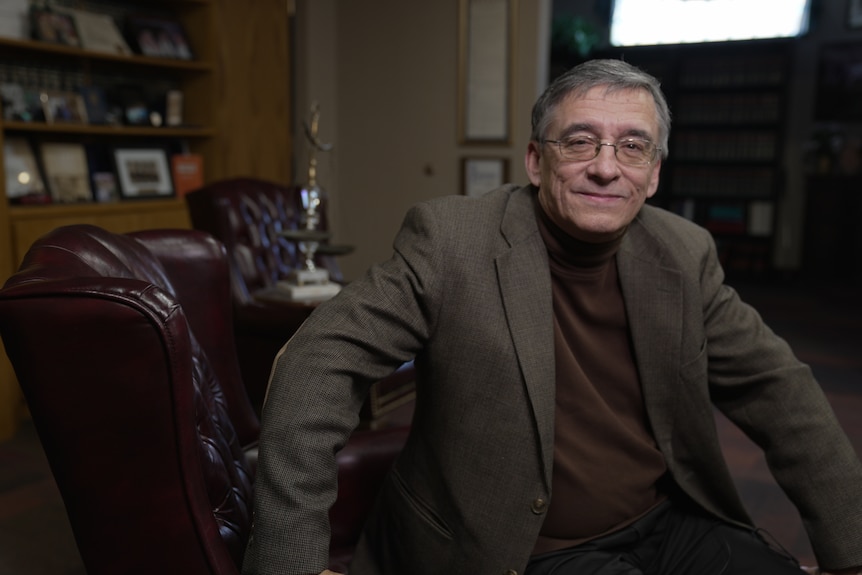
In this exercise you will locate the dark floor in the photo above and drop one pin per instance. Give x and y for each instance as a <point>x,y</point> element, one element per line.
<point>824,325</point>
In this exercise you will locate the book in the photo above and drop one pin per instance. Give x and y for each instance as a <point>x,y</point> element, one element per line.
<point>188,172</point>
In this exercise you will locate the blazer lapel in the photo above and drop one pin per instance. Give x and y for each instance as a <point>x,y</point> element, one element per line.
<point>525,285</point>
<point>652,296</point>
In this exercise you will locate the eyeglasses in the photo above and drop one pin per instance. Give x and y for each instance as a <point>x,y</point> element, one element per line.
<point>629,151</point>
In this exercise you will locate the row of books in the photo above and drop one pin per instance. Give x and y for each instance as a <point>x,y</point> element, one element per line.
<point>66,172</point>
<point>710,181</point>
<point>723,109</point>
<point>744,145</point>
<point>729,218</point>
<point>730,71</point>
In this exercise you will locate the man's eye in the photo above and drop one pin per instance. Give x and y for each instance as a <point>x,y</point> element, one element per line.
<point>634,145</point>
<point>579,143</point>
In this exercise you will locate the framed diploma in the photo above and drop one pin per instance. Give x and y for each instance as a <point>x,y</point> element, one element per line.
<point>485,77</point>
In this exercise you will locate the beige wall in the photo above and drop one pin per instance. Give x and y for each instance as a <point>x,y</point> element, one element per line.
<point>385,73</point>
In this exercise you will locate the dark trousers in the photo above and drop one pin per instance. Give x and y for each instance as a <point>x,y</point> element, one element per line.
<point>671,541</point>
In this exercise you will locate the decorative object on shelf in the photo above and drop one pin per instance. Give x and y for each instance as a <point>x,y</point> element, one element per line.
<point>63,107</point>
<point>174,108</point>
<point>105,187</point>
<point>96,105</point>
<point>66,171</point>
<point>143,172</point>
<point>159,38</point>
<point>19,103</point>
<point>188,172</point>
<point>99,32</point>
<point>48,25</point>
<point>480,175</point>
<point>310,282</point>
<point>24,183</point>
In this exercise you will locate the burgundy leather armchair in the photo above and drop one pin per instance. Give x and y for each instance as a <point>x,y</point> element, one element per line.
<point>123,346</point>
<point>247,215</point>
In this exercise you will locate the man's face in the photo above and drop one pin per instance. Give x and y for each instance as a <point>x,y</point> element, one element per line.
<point>595,200</point>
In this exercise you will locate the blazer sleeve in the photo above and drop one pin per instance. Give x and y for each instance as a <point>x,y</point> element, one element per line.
<point>756,380</point>
<point>319,381</point>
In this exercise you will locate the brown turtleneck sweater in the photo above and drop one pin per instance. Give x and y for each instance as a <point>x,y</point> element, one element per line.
<point>606,463</point>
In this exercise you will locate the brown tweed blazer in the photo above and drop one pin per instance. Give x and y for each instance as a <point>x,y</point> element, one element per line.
<point>468,293</point>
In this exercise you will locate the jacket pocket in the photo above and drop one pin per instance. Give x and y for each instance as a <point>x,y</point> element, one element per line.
<point>420,507</point>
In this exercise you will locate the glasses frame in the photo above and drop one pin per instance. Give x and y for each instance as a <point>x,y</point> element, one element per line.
<point>614,145</point>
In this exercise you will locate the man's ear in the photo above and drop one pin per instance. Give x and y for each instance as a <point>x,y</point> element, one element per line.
<point>533,162</point>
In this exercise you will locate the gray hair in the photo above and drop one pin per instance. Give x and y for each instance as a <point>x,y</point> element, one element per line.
<point>614,75</point>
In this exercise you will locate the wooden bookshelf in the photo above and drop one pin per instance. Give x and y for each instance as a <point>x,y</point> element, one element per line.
<point>235,115</point>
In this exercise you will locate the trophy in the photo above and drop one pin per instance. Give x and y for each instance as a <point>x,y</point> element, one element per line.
<point>310,282</point>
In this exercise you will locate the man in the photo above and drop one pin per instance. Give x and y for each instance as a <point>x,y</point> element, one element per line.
<point>570,343</point>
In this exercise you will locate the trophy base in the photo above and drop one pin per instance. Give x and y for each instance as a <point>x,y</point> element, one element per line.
<point>309,277</point>
<point>308,292</point>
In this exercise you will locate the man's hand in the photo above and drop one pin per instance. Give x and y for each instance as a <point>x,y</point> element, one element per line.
<point>817,571</point>
<point>328,572</point>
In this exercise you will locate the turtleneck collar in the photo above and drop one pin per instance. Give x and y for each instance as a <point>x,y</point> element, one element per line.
<point>568,251</point>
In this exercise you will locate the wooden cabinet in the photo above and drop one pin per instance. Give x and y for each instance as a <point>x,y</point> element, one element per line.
<point>725,169</point>
<point>236,114</point>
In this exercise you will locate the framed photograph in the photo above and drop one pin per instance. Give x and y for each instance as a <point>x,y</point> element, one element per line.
<point>66,170</point>
<point>480,175</point>
<point>143,173</point>
<point>63,107</point>
<point>159,38</point>
<point>485,73</point>
<point>854,14</point>
<point>99,32</point>
<point>24,183</point>
<point>51,26</point>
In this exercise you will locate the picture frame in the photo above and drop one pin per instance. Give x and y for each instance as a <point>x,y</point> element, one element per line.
<point>485,71</point>
<point>62,107</point>
<point>53,26</point>
<point>99,32</point>
<point>24,183</point>
<point>159,38</point>
<point>66,171</point>
<point>854,14</point>
<point>483,174</point>
<point>143,173</point>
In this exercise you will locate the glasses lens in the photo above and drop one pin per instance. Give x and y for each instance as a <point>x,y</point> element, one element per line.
<point>579,148</point>
<point>635,152</point>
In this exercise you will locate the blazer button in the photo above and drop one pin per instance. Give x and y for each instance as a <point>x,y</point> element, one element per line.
<point>510,572</point>
<point>539,506</point>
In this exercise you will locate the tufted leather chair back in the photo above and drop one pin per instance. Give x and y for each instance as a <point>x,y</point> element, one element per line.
<point>247,214</point>
<point>123,348</point>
